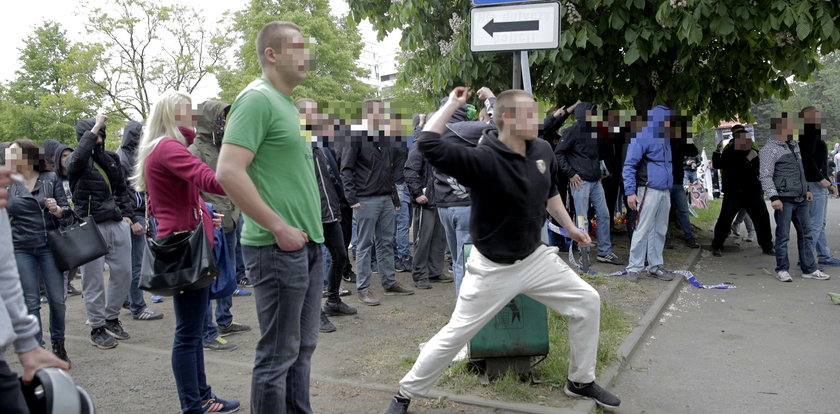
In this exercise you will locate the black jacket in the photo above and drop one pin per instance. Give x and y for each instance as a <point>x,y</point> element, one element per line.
<point>448,191</point>
<point>367,167</point>
<point>740,176</point>
<point>132,133</point>
<point>327,175</point>
<point>577,151</point>
<point>680,149</point>
<point>550,130</point>
<point>420,179</point>
<point>29,218</point>
<point>509,192</point>
<point>92,194</point>
<point>814,154</point>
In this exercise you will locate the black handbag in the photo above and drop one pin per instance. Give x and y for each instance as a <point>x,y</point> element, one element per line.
<point>77,244</point>
<point>178,262</point>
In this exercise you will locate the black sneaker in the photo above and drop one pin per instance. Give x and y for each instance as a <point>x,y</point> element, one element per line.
<point>233,328</point>
<point>59,351</point>
<point>610,258</point>
<point>769,251</point>
<point>244,282</point>
<point>660,274</point>
<point>399,405</point>
<point>717,252</point>
<point>72,291</point>
<point>441,279</point>
<point>423,284</point>
<point>592,391</point>
<point>115,329</point>
<point>349,277</point>
<point>691,243</point>
<point>326,325</point>
<point>100,339</point>
<point>338,309</point>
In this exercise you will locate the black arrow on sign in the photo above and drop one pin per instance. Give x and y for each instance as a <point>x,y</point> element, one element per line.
<point>523,26</point>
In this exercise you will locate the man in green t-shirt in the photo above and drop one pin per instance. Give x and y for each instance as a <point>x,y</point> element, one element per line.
<point>266,168</point>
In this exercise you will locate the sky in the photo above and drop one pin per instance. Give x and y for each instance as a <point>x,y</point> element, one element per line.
<point>21,17</point>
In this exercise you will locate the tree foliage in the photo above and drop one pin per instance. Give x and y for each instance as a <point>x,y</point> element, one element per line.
<point>716,57</point>
<point>146,48</point>
<point>48,94</point>
<point>333,75</point>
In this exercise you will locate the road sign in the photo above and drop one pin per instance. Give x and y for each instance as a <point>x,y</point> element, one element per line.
<point>511,28</point>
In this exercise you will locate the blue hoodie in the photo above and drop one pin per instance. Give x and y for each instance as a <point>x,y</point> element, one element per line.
<point>648,161</point>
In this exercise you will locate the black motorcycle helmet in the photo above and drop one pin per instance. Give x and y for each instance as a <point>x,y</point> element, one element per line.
<point>53,391</point>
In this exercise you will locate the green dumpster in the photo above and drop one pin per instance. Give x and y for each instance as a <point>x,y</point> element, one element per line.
<point>516,334</point>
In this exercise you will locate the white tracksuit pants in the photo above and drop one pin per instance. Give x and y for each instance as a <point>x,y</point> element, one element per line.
<point>488,287</point>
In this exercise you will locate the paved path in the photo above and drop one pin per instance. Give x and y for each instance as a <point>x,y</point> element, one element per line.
<point>765,347</point>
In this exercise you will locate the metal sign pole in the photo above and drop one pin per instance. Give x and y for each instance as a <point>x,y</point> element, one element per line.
<point>517,71</point>
<point>526,71</point>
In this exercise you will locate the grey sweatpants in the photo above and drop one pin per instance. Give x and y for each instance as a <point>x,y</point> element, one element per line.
<point>102,304</point>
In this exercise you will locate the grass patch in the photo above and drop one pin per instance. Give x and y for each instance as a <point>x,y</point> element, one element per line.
<point>552,371</point>
<point>707,217</point>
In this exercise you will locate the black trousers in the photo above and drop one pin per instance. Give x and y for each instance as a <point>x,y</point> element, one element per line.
<point>429,244</point>
<point>334,242</point>
<point>347,232</point>
<point>11,396</point>
<point>756,209</point>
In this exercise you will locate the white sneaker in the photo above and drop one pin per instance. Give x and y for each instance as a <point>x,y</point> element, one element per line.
<point>784,276</point>
<point>817,275</point>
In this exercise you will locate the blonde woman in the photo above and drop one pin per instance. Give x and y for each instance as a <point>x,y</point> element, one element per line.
<point>172,177</point>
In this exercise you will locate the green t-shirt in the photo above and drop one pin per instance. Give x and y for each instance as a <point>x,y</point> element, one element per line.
<point>266,122</point>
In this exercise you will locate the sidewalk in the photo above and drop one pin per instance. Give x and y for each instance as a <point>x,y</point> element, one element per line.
<point>765,346</point>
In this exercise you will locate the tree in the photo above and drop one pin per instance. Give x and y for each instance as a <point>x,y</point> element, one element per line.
<point>146,49</point>
<point>715,57</point>
<point>47,96</point>
<point>333,75</point>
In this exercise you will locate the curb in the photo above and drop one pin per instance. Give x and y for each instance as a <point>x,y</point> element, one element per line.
<point>631,344</point>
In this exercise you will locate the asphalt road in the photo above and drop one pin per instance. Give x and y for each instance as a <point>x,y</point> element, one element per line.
<point>764,347</point>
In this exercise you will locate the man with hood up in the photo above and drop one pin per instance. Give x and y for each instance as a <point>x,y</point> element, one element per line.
<point>210,130</point>
<point>59,155</point>
<point>648,177</point>
<point>132,132</point>
<point>578,157</point>
<point>100,191</point>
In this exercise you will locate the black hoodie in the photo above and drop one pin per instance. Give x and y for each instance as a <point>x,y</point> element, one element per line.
<point>132,133</point>
<point>61,171</point>
<point>814,153</point>
<point>509,192</point>
<point>93,195</point>
<point>448,191</point>
<point>577,152</point>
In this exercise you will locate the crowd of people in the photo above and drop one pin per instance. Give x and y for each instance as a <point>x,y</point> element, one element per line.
<point>297,194</point>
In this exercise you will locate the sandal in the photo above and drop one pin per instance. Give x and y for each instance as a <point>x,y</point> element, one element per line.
<point>219,406</point>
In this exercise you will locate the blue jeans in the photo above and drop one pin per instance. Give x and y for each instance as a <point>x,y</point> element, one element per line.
<point>592,192</point>
<point>32,263</point>
<point>456,226</point>
<point>689,177</point>
<point>135,295</point>
<point>188,349</point>
<point>817,210</point>
<point>679,203</point>
<point>375,220</point>
<point>223,315</point>
<point>287,291</point>
<point>402,248</point>
<point>798,214</point>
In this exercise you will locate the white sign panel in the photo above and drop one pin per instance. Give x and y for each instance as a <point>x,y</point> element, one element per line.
<point>512,28</point>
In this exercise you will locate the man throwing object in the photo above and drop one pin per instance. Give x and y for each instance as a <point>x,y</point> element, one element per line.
<point>511,175</point>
